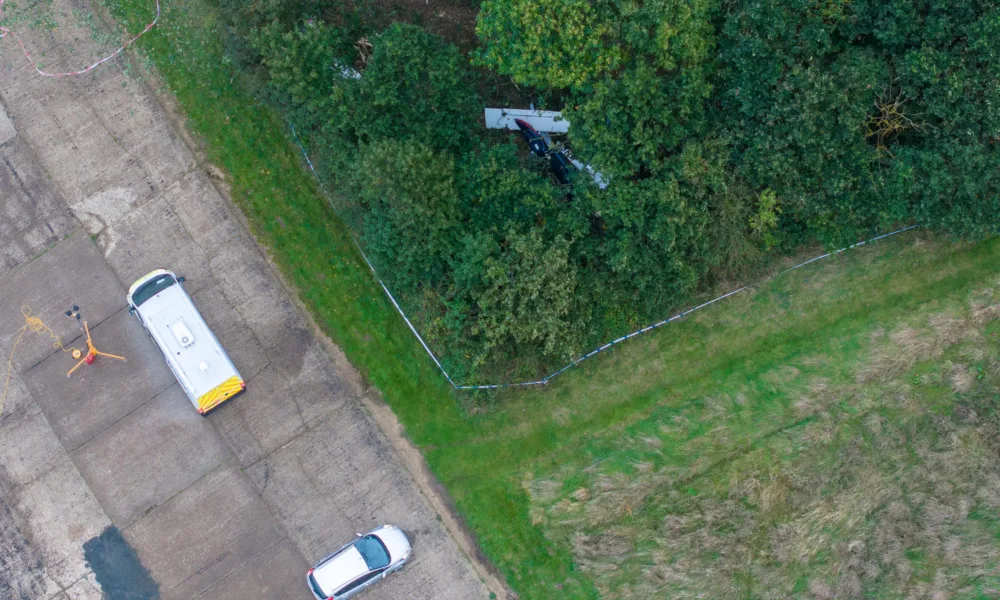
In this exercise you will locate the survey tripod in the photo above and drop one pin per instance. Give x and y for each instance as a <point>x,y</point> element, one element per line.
<point>92,352</point>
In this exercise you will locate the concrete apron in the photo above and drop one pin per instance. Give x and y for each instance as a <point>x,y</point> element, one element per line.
<point>97,188</point>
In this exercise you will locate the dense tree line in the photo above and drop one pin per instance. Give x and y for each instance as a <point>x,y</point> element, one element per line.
<point>728,129</point>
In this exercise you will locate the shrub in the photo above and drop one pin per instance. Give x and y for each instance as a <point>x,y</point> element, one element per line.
<point>305,65</point>
<point>558,44</point>
<point>415,86</point>
<point>801,84</point>
<point>525,295</point>
<point>404,202</point>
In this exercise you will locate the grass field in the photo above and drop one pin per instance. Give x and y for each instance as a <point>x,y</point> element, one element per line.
<point>834,436</point>
<point>830,435</point>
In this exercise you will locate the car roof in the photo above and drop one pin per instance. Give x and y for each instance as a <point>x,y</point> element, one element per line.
<point>340,570</point>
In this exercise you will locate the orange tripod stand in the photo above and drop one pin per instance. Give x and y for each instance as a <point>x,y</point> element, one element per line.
<point>92,352</point>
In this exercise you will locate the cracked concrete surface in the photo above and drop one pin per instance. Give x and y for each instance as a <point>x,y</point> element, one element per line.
<point>7,131</point>
<point>97,188</point>
<point>33,216</point>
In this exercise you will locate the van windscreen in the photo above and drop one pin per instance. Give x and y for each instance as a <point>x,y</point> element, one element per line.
<point>152,287</point>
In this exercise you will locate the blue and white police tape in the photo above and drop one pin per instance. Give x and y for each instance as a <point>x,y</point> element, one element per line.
<point>596,351</point>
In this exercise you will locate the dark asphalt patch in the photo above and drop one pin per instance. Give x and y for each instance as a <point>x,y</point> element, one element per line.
<point>22,574</point>
<point>117,568</point>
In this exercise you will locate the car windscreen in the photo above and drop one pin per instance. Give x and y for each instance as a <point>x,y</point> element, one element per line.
<point>152,287</point>
<point>373,551</point>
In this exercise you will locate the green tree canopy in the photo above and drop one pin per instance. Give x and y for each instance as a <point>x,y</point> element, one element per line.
<point>526,295</point>
<point>404,202</point>
<point>414,86</point>
<point>555,44</point>
<point>727,129</point>
<point>846,109</point>
<point>635,73</point>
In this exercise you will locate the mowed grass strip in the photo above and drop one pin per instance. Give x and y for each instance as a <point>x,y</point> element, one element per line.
<point>588,420</point>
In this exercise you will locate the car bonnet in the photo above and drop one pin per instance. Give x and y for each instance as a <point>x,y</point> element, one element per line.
<point>395,542</point>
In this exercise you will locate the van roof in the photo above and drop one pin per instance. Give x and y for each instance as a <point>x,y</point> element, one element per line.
<point>182,333</point>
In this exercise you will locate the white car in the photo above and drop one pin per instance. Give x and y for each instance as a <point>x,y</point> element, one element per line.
<point>360,564</point>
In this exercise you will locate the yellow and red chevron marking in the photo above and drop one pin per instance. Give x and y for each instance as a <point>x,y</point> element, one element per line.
<point>220,393</point>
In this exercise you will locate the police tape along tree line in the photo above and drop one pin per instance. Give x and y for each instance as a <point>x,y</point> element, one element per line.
<point>730,131</point>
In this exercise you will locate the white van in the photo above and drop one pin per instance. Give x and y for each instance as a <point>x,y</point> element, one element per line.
<point>190,348</point>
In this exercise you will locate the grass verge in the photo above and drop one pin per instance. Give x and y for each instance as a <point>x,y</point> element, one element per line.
<point>516,471</point>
